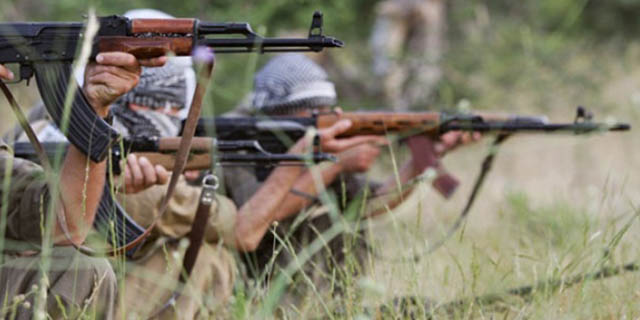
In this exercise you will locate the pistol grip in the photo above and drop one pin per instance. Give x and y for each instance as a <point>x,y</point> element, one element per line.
<point>425,156</point>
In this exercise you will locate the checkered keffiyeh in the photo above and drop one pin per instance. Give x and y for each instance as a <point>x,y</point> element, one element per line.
<point>290,82</point>
<point>160,87</point>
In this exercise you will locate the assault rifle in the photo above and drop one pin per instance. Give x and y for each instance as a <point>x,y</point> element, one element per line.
<point>205,153</point>
<point>271,131</point>
<point>47,49</point>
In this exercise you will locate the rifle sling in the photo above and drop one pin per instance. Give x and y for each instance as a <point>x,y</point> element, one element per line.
<point>195,236</point>
<point>484,171</point>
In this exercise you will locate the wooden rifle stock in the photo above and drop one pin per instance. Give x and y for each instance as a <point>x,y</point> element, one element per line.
<point>200,161</point>
<point>380,123</point>
<point>422,149</point>
<point>430,125</point>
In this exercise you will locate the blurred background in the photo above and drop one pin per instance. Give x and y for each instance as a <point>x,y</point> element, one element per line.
<point>552,205</point>
<point>416,54</point>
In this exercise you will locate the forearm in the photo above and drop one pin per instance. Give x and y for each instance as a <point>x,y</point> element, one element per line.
<point>257,214</point>
<point>81,185</point>
<point>306,183</point>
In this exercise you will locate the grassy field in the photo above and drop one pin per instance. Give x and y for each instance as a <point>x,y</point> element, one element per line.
<point>553,206</point>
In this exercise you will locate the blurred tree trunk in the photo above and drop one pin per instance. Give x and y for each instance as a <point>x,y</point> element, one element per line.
<point>408,42</point>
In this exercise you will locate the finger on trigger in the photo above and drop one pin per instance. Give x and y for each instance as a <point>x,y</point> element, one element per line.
<point>148,171</point>
<point>136,173</point>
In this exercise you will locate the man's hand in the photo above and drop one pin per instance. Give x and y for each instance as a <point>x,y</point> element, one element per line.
<point>453,139</point>
<point>112,75</point>
<point>329,142</point>
<point>359,158</point>
<point>5,73</point>
<point>140,174</point>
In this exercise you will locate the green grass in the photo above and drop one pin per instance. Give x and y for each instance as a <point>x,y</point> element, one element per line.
<point>552,208</point>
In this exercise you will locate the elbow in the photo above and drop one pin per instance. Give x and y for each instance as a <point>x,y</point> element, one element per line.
<point>247,242</point>
<point>75,236</point>
<point>247,239</point>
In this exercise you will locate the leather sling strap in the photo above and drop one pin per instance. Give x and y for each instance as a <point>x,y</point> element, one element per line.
<point>195,236</point>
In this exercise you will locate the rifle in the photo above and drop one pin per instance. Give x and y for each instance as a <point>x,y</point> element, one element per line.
<point>205,154</point>
<point>47,49</point>
<point>271,131</point>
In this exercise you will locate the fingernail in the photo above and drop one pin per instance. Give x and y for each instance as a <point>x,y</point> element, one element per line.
<point>10,75</point>
<point>99,58</point>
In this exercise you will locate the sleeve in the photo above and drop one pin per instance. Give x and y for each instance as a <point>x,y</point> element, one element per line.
<point>176,222</point>
<point>24,197</point>
<point>240,184</point>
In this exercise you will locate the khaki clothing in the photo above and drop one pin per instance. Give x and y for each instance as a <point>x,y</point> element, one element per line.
<point>213,276</point>
<point>155,277</point>
<point>27,195</point>
<point>82,284</point>
<point>176,222</point>
<point>214,273</point>
<point>408,42</point>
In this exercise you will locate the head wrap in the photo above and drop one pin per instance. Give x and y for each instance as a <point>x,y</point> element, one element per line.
<point>160,87</point>
<point>291,82</point>
<point>144,123</point>
<point>178,62</point>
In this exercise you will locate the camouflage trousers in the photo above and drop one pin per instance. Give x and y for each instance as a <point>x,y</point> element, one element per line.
<point>78,286</point>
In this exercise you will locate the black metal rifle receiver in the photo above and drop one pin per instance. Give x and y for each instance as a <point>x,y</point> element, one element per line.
<point>47,49</point>
<point>113,221</point>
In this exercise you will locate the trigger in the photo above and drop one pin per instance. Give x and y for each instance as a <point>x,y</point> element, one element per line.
<point>26,73</point>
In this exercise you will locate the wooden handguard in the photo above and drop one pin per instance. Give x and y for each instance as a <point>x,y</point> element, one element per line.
<point>379,123</point>
<point>145,48</point>
<point>196,161</point>
<point>198,144</point>
<point>169,26</point>
<point>422,147</point>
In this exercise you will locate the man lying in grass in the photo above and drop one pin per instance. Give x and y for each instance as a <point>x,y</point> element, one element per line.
<point>73,284</point>
<point>294,85</point>
<point>154,108</point>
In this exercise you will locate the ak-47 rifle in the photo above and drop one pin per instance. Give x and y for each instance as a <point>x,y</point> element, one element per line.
<point>47,50</point>
<point>206,153</point>
<point>431,124</point>
<point>271,131</point>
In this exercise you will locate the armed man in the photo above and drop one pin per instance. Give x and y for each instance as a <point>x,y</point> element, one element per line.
<point>294,85</point>
<point>74,284</point>
<point>154,109</point>
<point>157,101</point>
